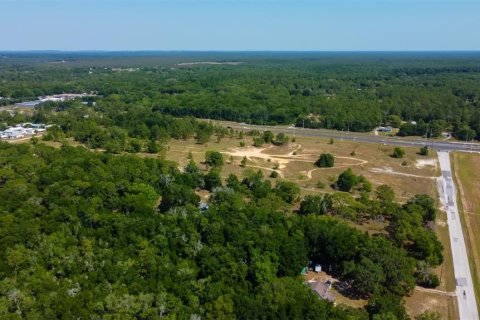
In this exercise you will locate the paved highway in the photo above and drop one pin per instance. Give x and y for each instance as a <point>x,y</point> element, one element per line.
<point>464,285</point>
<point>397,141</point>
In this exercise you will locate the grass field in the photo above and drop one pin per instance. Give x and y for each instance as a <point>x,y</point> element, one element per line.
<point>295,162</point>
<point>432,300</point>
<point>467,177</point>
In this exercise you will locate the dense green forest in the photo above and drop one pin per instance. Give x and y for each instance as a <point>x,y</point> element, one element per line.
<point>344,91</point>
<point>98,232</point>
<point>87,234</point>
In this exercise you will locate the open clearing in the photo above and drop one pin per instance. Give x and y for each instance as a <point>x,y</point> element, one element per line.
<point>467,177</point>
<point>422,300</point>
<point>295,162</point>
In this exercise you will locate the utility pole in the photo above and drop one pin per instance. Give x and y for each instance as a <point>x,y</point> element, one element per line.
<point>426,134</point>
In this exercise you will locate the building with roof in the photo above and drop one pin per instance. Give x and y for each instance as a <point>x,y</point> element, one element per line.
<point>322,289</point>
<point>28,104</point>
<point>384,129</point>
<point>14,133</point>
<point>22,130</point>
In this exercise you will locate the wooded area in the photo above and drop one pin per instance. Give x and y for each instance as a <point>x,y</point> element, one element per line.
<point>123,236</point>
<point>348,91</point>
<point>97,231</point>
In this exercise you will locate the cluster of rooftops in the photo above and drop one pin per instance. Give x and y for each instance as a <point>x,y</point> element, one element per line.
<point>22,130</point>
<point>53,98</point>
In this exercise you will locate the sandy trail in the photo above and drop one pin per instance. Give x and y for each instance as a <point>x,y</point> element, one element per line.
<point>253,153</point>
<point>422,163</point>
<point>435,291</point>
<point>280,173</point>
<point>389,170</point>
<point>360,162</point>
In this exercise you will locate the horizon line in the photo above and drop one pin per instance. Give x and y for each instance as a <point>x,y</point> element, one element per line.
<point>226,50</point>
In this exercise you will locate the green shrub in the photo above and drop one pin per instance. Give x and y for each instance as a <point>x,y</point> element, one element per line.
<point>423,151</point>
<point>274,174</point>
<point>326,160</point>
<point>398,153</point>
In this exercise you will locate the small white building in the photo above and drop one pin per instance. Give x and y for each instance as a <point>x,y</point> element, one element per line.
<point>22,130</point>
<point>14,133</point>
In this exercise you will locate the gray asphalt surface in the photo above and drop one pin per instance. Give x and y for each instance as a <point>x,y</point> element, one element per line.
<point>351,136</point>
<point>464,285</point>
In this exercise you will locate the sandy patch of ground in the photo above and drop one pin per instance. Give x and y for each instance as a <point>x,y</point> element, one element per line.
<point>281,161</point>
<point>423,300</point>
<point>389,170</point>
<point>435,291</point>
<point>252,153</point>
<point>422,163</point>
<point>441,223</point>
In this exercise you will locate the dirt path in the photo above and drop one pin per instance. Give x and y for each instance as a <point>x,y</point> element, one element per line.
<point>435,291</point>
<point>252,153</point>
<point>309,173</point>
<point>389,170</point>
<point>360,162</point>
<point>280,173</point>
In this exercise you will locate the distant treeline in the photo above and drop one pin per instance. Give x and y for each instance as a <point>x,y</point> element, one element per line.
<point>338,91</point>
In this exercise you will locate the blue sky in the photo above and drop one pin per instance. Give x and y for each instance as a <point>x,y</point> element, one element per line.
<point>240,25</point>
